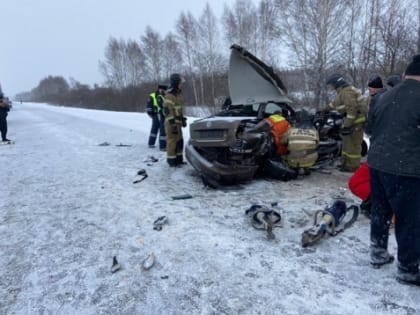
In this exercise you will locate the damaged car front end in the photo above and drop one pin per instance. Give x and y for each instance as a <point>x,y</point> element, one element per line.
<point>232,146</point>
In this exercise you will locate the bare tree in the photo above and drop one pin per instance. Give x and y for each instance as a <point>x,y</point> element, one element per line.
<point>208,55</point>
<point>186,27</point>
<point>352,20</point>
<point>152,49</point>
<point>135,65</point>
<point>396,40</point>
<point>51,86</point>
<point>113,66</point>
<point>171,56</point>
<point>267,31</point>
<point>240,24</point>
<point>312,30</point>
<point>123,65</point>
<point>380,38</point>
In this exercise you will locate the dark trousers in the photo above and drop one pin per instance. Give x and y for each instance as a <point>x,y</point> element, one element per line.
<point>158,128</point>
<point>3,125</point>
<point>400,195</point>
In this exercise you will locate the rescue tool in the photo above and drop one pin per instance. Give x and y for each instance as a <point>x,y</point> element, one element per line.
<point>330,221</point>
<point>264,218</point>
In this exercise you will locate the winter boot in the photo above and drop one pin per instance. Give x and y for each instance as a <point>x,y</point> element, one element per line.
<point>172,162</point>
<point>179,160</point>
<point>380,257</point>
<point>408,274</point>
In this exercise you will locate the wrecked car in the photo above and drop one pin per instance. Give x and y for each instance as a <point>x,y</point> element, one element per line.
<point>233,146</point>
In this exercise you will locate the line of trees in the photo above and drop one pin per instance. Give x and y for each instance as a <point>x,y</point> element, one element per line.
<point>316,37</point>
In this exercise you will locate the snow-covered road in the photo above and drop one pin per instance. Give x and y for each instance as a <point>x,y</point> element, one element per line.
<point>68,206</point>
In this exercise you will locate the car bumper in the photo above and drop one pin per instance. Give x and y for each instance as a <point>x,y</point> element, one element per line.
<point>222,173</point>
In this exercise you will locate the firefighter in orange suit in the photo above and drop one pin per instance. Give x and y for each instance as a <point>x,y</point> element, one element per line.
<point>279,127</point>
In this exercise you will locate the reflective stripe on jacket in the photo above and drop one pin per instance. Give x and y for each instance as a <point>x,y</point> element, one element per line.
<point>155,101</point>
<point>350,103</point>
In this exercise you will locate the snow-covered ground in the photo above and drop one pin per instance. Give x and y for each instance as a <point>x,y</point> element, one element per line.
<point>68,206</point>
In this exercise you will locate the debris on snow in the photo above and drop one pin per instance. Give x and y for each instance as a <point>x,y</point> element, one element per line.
<point>115,265</point>
<point>149,261</point>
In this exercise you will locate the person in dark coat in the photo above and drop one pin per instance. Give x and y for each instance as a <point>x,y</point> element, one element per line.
<point>154,110</point>
<point>376,89</point>
<point>394,166</point>
<point>4,109</point>
<point>393,80</point>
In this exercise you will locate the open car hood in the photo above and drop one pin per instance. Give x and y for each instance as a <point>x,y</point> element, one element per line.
<point>252,81</point>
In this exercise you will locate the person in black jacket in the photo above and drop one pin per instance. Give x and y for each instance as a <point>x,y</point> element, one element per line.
<point>154,110</point>
<point>4,109</point>
<point>376,89</point>
<point>393,80</point>
<point>394,165</point>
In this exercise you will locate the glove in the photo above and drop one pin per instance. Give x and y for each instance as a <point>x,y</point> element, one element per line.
<point>345,131</point>
<point>184,122</point>
<point>174,129</point>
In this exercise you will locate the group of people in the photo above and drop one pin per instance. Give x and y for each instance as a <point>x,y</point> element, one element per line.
<point>389,182</point>
<point>165,108</point>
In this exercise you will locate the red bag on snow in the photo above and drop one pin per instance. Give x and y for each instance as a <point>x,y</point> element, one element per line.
<point>359,182</point>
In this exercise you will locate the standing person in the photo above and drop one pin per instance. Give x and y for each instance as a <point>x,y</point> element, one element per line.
<point>154,110</point>
<point>350,103</point>
<point>376,89</point>
<point>394,165</point>
<point>4,109</point>
<point>174,121</point>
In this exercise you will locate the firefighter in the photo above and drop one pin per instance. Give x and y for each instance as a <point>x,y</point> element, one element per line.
<point>279,127</point>
<point>302,143</point>
<point>154,110</point>
<point>350,103</point>
<point>174,121</point>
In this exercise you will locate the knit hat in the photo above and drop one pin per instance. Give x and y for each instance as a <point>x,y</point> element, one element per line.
<point>375,82</point>
<point>414,67</point>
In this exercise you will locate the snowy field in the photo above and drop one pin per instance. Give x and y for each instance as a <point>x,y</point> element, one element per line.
<point>68,206</point>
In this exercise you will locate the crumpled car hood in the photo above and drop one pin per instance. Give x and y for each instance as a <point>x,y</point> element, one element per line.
<point>252,81</point>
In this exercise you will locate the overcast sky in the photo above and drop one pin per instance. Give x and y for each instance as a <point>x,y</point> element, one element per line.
<point>68,37</point>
